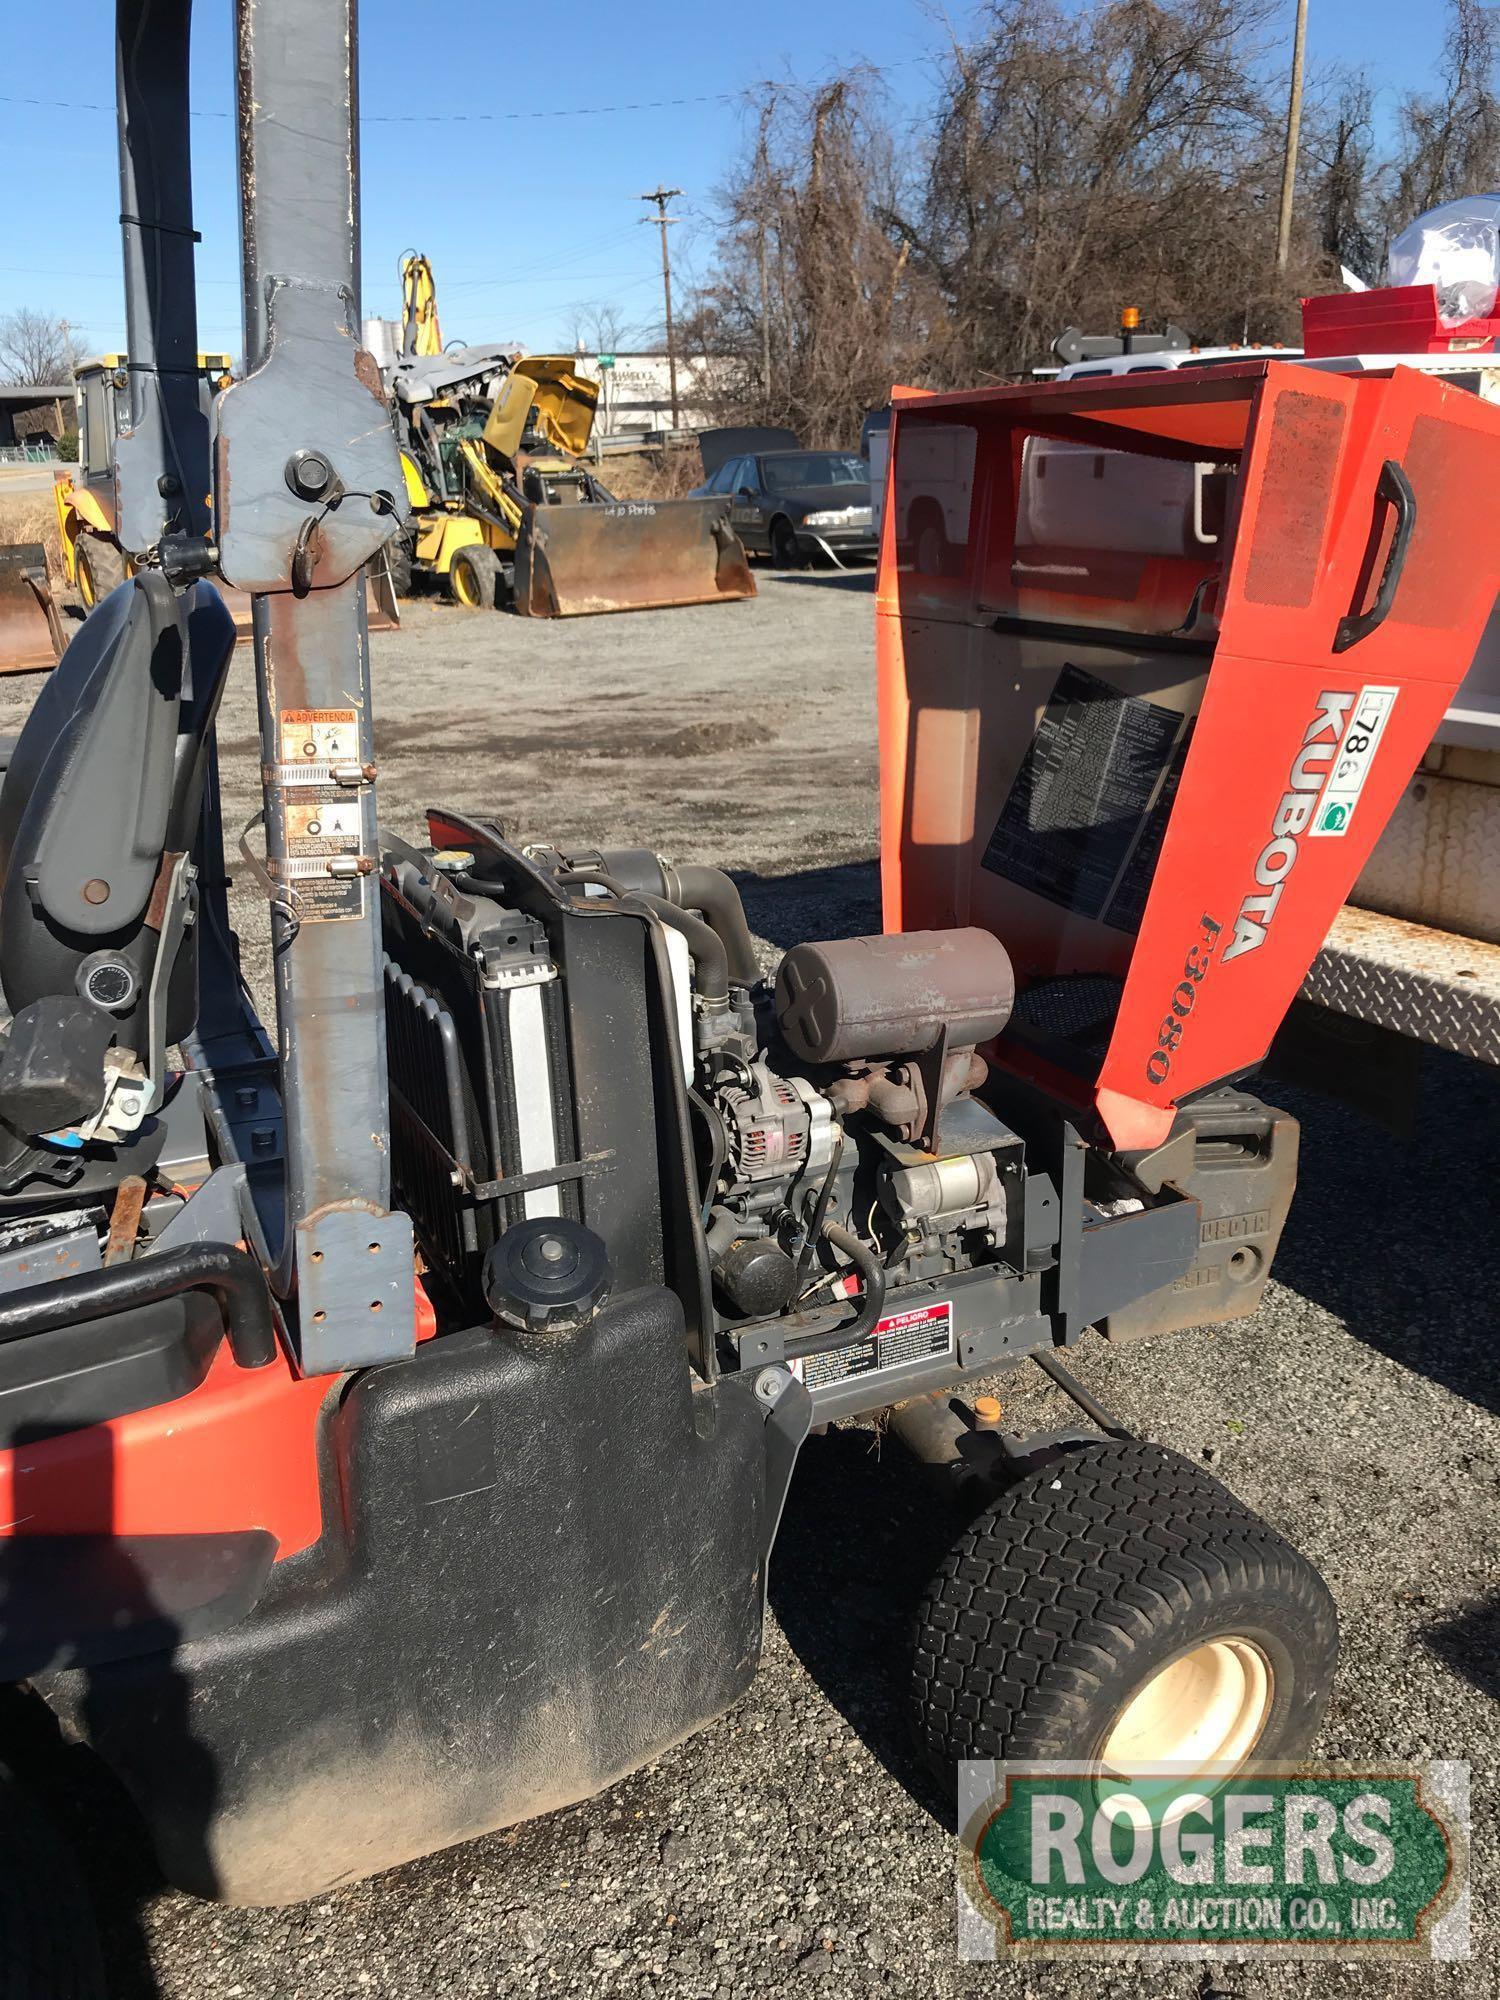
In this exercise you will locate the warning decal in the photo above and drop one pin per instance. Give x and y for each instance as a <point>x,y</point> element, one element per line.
<point>322,820</point>
<point>923,1334</point>
<point>1081,799</point>
<point>314,741</point>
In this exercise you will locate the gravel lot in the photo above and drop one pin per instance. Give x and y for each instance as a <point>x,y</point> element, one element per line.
<point>793,1841</point>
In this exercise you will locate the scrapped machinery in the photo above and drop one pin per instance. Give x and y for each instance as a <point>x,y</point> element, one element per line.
<point>94,559</point>
<point>332,1563</point>
<point>505,511</point>
<point>31,633</point>
<point>95,556</point>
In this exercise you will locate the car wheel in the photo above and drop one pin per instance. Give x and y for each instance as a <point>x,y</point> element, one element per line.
<point>785,553</point>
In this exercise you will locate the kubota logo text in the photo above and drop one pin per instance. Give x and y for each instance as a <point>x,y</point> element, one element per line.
<point>1308,775</point>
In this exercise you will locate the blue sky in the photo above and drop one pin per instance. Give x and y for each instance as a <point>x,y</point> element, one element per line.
<point>509,267</point>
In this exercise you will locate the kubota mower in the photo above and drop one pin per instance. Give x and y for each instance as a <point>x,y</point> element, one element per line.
<point>332,1563</point>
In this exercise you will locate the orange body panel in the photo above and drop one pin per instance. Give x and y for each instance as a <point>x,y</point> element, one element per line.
<point>1121,706</point>
<point>239,1451</point>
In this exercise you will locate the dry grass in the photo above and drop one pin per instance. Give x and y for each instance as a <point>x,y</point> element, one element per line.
<point>32,517</point>
<point>665,474</point>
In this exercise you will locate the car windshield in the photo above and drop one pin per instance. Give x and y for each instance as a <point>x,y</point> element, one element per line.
<point>791,471</point>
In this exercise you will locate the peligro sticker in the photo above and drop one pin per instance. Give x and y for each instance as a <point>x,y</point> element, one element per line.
<point>901,1340</point>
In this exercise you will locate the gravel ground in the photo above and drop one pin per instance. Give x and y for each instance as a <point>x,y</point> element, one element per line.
<point>794,1841</point>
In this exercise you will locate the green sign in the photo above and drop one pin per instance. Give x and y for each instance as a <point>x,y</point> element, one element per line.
<point>606,361</point>
<point>1335,1861</point>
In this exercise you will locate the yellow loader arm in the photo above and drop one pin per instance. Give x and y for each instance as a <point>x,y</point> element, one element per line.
<point>420,331</point>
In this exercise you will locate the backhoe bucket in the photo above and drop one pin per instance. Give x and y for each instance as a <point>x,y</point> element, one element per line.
<point>627,555</point>
<point>30,631</point>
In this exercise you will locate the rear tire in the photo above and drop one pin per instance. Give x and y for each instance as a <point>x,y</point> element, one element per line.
<point>98,567</point>
<point>473,576</point>
<point>400,553</point>
<point>1120,1606</point>
<point>49,1944</point>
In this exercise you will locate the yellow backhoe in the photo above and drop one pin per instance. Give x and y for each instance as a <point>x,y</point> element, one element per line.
<point>505,511</point>
<point>94,560</point>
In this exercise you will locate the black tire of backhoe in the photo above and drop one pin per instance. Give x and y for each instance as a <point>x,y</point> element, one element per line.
<point>49,1942</point>
<point>1070,1591</point>
<point>106,566</point>
<point>400,553</point>
<point>484,566</point>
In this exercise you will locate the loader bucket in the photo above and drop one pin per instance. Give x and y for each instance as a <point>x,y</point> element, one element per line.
<point>627,555</point>
<point>30,630</point>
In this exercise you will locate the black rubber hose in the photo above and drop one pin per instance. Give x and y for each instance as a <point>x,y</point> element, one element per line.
<point>705,946</point>
<point>711,891</point>
<point>231,1276</point>
<point>820,1211</point>
<point>866,1319</point>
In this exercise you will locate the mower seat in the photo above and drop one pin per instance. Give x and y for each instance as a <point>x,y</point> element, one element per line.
<point>101,796</point>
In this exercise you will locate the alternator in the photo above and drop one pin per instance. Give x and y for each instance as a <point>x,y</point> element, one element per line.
<point>777,1128</point>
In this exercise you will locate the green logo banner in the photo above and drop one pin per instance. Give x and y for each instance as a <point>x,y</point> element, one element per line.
<point>1057,1860</point>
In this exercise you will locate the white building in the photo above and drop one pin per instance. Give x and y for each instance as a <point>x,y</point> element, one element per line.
<point>636,394</point>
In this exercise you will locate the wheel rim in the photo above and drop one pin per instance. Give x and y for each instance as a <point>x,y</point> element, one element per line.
<point>463,586</point>
<point>85,576</point>
<point>1209,1706</point>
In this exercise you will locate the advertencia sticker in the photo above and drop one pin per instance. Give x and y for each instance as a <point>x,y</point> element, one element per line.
<point>1329,1861</point>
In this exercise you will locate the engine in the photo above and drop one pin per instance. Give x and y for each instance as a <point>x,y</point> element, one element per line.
<point>870,1061</point>
<point>838,1147</point>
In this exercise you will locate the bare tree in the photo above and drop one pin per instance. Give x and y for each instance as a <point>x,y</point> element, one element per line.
<point>35,348</point>
<point>1080,156</point>
<point>811,308</point>
<point>1450,141</point>
<point>1084,159</point>
<point>1344,184</point>
<point>597,327</point>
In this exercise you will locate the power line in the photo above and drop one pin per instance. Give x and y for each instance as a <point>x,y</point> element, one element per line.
<point>510,117</point>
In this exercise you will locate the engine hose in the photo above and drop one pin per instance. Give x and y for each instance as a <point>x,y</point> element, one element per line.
<point>705,946</point>
<point>711,891</point>
<point>230,1275</point>
<point>872,1305</point>
<point>820,1210</point>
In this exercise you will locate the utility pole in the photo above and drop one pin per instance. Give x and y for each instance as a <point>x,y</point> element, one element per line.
<point>1293,134</point>
<point>661,196</point>
<point>765,326</point>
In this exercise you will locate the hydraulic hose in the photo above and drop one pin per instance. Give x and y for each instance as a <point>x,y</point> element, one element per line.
<point>872,1305</point>
<point>231,1276</point>
<point>711,891</point>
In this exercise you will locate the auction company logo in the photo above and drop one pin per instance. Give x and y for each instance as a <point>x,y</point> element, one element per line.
<point>1330,1861</point>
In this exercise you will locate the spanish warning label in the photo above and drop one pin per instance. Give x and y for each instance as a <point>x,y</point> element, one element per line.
<point>314,742</point>
<point>923,1334</point>
<point>321,819</point>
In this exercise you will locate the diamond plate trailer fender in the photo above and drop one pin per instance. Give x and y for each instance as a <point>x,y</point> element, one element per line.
<point>1163,762</point>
